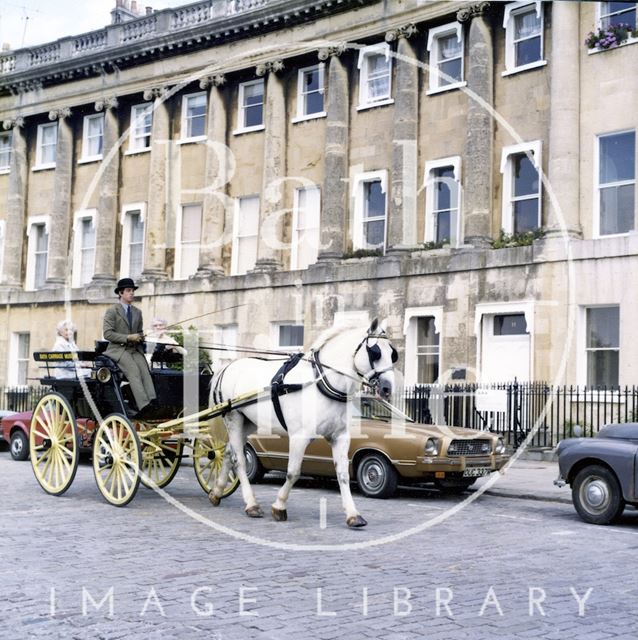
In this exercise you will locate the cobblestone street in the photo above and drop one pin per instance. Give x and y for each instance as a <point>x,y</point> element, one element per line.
<point>76,567</point>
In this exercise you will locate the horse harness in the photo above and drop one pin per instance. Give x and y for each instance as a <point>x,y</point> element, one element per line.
<point>278,386</point>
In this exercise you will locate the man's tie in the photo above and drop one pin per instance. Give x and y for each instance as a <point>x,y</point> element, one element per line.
<point>129,317</point>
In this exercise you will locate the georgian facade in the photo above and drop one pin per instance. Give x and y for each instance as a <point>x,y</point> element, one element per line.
<point>294,164</point>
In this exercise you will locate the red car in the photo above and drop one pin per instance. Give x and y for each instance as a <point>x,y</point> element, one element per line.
<point>15,430</point>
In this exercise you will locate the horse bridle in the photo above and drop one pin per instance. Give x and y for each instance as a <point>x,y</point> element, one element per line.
<point>374,354</point>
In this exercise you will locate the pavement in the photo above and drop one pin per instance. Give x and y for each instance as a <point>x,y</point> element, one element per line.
<point>527,479</point>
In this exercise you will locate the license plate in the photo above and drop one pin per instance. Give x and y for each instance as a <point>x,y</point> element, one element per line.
<point>476,472</point>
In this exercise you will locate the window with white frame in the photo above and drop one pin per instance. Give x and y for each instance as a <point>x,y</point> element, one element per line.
<point>520,166</point>
<point>370,208</point>
<point>442,202</point>
<point>422,328</point>
<point>602,345</point>
<point>37,252</point>
<point>194,116</point>
<point>310,92</point>
<point>616,183</point>
<point>189,235</point>
<point>141,126</point>
<point>5,151</point>
<point>288,336</point>
<point>46,145</point>
<point>245,230</point>
<point>132,256</point>
<point>612,13</point>
<point>83,247</point>
<point>445,45</point>
<point>93,137</point>
<point>375,75</point>
<point>19,367</point>
<point>251,105</point>
<point>2,243</point>
<point>226,336</point>
<point>305,227</point>
<point>523,24</point>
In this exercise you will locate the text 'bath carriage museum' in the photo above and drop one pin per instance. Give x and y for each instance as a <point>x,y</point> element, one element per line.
<point>465,169</point>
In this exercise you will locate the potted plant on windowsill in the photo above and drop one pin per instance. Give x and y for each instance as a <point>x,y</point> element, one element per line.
<point>610,37</point>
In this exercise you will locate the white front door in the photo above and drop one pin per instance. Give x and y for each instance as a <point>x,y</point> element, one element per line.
<point>505,350</point>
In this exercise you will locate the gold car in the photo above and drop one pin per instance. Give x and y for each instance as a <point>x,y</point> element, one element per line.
<point>387,449</point>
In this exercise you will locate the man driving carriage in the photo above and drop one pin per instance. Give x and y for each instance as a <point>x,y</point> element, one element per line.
<point>123,329</point>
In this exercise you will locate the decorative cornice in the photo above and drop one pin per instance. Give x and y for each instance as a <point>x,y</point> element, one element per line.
<point>218,80</point>
<point>12,123</point>
<point>59,114</point>
<point>328,52</point>
<point>473,11</point>
<point>406,31</point>
<point>274,66</point>
<point>155,92</point>
<point>105,104</point>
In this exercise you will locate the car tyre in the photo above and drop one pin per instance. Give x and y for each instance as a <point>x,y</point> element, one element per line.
<point>376,477</point>
<point>254,469</point>
<point>596,495</point>
<point>453,487</point>
<point>19,445</point>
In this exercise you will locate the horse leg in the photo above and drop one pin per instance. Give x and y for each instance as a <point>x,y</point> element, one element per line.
<point>340,447</point>
<point>297,447</point>
<point>236,439</point>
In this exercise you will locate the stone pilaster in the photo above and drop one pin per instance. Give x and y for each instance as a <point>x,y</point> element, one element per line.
<point>58,258</point>
<point>477,166</point>
<point>155,221</point>
<point>335,185</point>
<point>270,234</point>
<point>563,169</point>
<point>11,275</point>
<point>402,214</point>
<point>217,174</point>
<point>108,205</point>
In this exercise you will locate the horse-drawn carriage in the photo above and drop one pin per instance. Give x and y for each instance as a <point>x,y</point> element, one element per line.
<point>88,408</point>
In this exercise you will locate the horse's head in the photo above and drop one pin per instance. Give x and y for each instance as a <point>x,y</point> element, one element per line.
<point>375,358</point>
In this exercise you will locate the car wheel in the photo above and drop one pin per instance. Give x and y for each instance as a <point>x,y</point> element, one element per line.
<point>596,495</point>
<point>19,446</point>
<point>254,469</point>
<point>376,477</point>
<point>453,487</point>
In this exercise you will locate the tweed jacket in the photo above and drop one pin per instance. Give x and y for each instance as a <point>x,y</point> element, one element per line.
<point>116,331</point>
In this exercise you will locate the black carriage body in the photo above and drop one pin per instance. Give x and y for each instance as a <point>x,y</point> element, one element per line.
<point>100,391</point>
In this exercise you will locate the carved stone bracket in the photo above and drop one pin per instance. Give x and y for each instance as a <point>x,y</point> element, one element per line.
<point>155,92</point>
<point>105,104</point>
<point>406,31</point>
<point>13,122</point>
<point>274,66</point>
<point>218,80</point>
<point>336,50</point>
<point>479,9</point>
<point>60,114</point>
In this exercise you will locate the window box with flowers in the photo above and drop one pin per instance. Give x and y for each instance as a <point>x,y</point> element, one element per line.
<point>611,37</point>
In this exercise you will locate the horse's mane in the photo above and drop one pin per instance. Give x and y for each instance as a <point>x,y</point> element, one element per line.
<point>328,334</point>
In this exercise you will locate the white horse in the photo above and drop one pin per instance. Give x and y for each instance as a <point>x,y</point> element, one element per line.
<point>313,404</point>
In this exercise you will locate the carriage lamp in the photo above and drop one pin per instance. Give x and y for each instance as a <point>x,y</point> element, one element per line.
<point>431,447</point>
<point>500,446</point>
<point>103,374</point>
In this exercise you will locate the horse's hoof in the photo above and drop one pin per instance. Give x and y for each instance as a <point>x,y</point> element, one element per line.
<point>214,499</point>
<point>280,515</point>
<point>356,521</point>
<point>254,512</point>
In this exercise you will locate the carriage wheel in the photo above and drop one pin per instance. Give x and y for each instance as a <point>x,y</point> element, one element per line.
<point>160,466</point>
<point>53,444</point>
<point>117,459</point>
<point>208,455</point>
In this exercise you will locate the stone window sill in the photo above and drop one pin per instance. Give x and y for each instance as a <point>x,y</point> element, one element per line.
<point>133,152</point>
<point>447,87</point>
<point>310,116</point>
<point>43,167</point>
<point>525,67</point>
<point>193,140</point>
<point>242,130</point>
<point>5,171</point>
<point>90,159</point>
<point>372,105</point>
<point>622,44</point>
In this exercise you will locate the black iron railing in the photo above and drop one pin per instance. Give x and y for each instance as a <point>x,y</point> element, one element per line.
<point>22,398</point>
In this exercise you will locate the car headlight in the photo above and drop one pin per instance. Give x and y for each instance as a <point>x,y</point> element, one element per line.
<point>431,447</point>
<point>500,446</point>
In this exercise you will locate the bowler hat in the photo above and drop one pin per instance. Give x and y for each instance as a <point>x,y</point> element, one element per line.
<point>125,283</point>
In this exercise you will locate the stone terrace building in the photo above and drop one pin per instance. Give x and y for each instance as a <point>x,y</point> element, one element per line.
<point>320,161</point>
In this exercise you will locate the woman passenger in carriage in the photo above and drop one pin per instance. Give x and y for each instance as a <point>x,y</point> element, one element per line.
<point>64,341</point>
